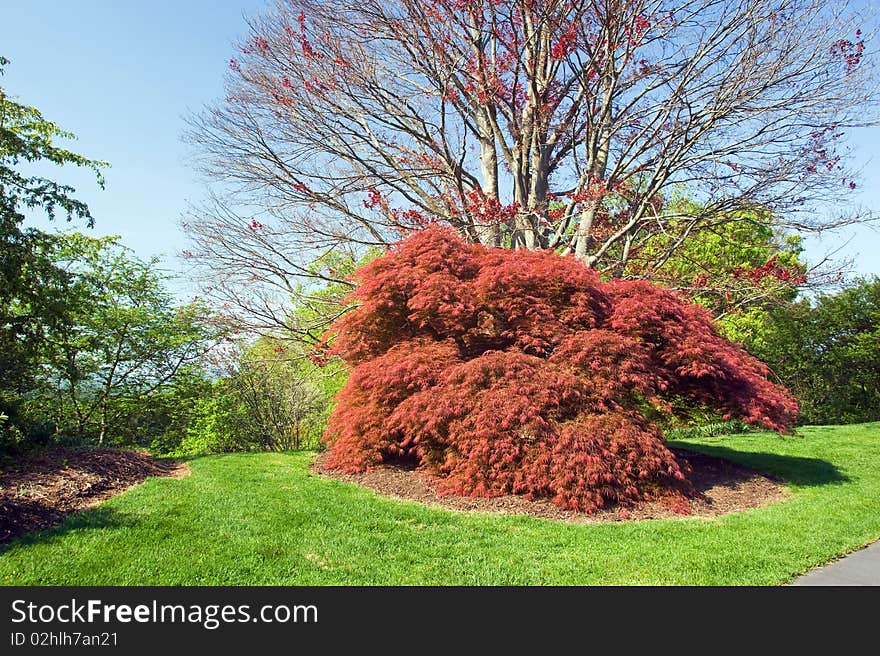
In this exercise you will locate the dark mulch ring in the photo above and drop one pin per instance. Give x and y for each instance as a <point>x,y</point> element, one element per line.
<point>721,487</point>
<point>37,490</point>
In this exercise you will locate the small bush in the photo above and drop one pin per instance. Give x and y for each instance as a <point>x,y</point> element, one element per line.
<point>510,372</point>
<point>717,429</point>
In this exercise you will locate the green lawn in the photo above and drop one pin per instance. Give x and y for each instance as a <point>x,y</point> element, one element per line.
<point>264,519</point>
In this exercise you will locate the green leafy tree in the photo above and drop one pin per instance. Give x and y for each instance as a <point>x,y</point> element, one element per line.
<point>120,339</point>
<point>272,396</point>
<point>26,307</point>
<point>280,399</point>
<point>160,421</point>
<point>827,352</point>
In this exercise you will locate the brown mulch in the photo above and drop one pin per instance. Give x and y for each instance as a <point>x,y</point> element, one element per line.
<point>38,490</point>
<point>721,487</point>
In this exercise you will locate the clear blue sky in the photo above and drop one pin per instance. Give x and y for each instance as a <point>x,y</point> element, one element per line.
<point>123,74</point>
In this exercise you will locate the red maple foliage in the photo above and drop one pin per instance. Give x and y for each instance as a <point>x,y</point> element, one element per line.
<point>511,372</point>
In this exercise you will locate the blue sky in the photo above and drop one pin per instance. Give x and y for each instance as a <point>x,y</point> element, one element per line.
<point>122,75</point>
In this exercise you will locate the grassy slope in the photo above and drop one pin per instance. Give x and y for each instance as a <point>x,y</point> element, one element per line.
<point>264,519</point>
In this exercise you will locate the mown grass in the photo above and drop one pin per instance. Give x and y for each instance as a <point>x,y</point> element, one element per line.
<point>264,519</point>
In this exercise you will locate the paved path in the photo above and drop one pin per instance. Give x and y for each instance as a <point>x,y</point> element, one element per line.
<point>858,568</point>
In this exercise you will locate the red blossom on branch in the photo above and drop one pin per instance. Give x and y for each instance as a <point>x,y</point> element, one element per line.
<point>566,44</point>
<point>487,210</point>
<point>772,270</point>
<point>850,52</point>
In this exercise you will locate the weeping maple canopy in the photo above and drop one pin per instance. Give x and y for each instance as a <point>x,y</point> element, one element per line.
<point>510,372</point>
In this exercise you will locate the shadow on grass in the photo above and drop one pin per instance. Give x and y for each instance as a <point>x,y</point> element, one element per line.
<point>791,469</point>
<point>93,518</point>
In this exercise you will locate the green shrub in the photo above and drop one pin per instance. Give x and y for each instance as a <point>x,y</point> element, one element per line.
<point>827,352</point>
<point>716,429</point>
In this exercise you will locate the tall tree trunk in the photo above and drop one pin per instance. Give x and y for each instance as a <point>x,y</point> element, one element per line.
<point>597,176</point>
<point>585,226</point>
<point>488,234</point>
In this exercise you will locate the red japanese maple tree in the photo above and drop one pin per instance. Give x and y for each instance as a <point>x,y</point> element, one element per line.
<point>503,372</point>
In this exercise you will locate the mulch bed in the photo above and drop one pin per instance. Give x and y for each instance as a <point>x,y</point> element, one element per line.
<point>721,486</point>
<point>38,490</point>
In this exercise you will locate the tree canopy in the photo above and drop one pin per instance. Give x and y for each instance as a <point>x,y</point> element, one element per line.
<point>120,336</point>
<point>558,125</point>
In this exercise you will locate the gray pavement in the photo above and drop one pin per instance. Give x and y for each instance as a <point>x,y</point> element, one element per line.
<point>858,568</point>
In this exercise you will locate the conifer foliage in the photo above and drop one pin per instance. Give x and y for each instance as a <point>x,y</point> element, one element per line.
<point>510,372</point>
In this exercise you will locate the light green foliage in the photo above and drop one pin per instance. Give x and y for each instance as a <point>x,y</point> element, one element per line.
<point>268,402</point>
<point>321,305</point>
<point>212,426</point>
<point>317,304</point>
<point>119,338</point>
<point>265,519</point>
<point>329,379</point>
<point>272,397</point>
<point>161,420</point>
<point>711,266</point>
<point>747,326</point>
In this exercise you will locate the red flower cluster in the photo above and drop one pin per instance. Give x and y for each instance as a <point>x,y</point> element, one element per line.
<point>773,271</point>
<point>850,52</point>
<point>637,29</point>
<point>505,372</point>
<point>566,44</point>
<point>486,210</point>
